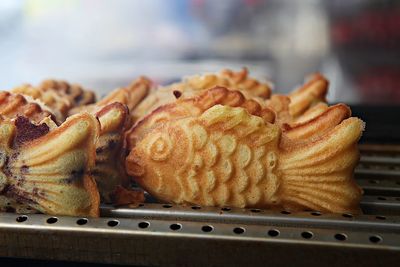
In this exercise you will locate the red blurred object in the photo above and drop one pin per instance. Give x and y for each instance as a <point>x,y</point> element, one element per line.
<point>380,85</point>
<point>371,28</point>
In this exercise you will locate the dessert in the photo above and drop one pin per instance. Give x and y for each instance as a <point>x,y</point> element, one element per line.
<point>13,105</point>
<point>59,96</point>
<point>130,96</point>
<point>109,170</point>
<point>194,106</point>
<point>225,156</point>
<point>194,85</point>
<point>47,168</point>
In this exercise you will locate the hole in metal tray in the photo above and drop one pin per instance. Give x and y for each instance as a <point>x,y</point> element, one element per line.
<point>112,223</point>
<point>375,239</point>
<point>143,225</point>
<point>21,218</point>
<point>307,235</point>
<point>341,237</point>
<point>207,228</point>
<point>52,220</point>
<point>82,221</point>
<point>238,230</point>
<point>273,233</point>
<point>175,226</point>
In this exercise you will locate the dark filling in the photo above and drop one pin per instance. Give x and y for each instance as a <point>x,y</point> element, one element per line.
<point>78,98</point>
<point>27,131</point>
<point>177,94</point>
<point>112,144</point>
<point>99,150</point>
<point>24,169</point>
<point>76,176</point>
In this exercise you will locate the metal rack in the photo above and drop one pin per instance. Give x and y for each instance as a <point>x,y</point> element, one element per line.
<point>168,235</point>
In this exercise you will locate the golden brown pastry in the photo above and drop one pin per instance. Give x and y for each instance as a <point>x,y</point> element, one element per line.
<point>226,157</point>
<point>194,85</point>
<point>227,78</point>
<point>109,170</point>
<point>13,105</point>
<point>195,106</point>
<point>46,169</point>
<point>311,93</point>
<point>129,96</point>
<point>59,104</point>
<point>76,93</point>
<point>60,96</point>
<point>303,104</point>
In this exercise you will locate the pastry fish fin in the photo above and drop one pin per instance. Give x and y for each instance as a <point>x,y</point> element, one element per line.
<point>319,125</point>
<point>312,92</point>
<point>109,170</point>
<point>319,174</point>
<point>52,172</point>
<point>240,122</point>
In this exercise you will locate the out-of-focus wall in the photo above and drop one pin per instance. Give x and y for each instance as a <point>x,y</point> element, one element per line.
<point>103,44</point>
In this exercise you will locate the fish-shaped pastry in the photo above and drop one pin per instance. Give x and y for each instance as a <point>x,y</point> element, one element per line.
<point>109,171</point>
<point>60,96</point>
<point>13,105</point>
<point>47,168</point>
<point>292,108</point>
<point>228,157</point>
<point>194,85</point>
<point>78,95</point>
<point>130,96</point>
<point>59,104</point>
<point>195,106</point>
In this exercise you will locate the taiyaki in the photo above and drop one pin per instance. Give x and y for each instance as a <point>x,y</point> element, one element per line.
<point>109,170</point>
<point>60,96</point>
<point>228,157</point>
<point>194,85</point>
<point>194,106</point>
<point>130,96</point>
<point>47,168</point>
<point>59,104</point>
<point>13,105</point>
<point>302,104</point>
<point>78,95</point>
<point>313,92</point>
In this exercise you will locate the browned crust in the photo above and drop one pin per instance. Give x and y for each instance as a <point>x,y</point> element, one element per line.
<point>123,196</point>
<point>312,92</point>
<point>243,79</point>
<point>110,164</point>
<point>110,107</point>
<point>296,134</point>
<point>197,84</point>
<point>90,186</point>
<point>76,92</point>
<point>14,105</point>
<point>130,95</point>
<point>194,106</point>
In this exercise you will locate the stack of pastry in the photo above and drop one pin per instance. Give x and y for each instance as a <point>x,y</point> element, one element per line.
<point>214,140</point>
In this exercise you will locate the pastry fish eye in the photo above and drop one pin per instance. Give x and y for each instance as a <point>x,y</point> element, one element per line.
<point>159,147</point>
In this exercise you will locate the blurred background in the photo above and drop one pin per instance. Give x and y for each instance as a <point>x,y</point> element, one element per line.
<point>104,44</point>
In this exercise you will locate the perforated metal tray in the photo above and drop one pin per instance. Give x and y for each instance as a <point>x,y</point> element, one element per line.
<point>168,235</point>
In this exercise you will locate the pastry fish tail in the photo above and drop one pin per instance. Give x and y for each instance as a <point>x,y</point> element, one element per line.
<point>318,174</point>
<point>52,173</point>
